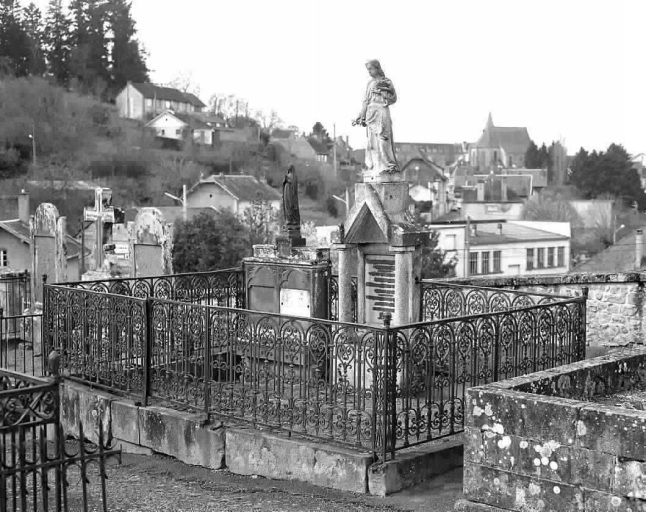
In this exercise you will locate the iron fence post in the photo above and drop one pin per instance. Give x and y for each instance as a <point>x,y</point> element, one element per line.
<point>147,349</point>
<point>207,362</point>
<point>4,359</point>
<point>584,323</point>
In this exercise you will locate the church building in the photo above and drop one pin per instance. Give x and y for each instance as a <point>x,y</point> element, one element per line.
<point>500,147</point>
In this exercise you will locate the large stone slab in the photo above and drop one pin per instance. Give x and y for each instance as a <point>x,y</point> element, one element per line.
<point>89,407</point>
<point>414,466</point>
<point>254,452</point>
<point>181,435</point>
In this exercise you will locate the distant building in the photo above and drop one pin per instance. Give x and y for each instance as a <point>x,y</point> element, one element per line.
<point>506,248</point>
<point>500,146</point>
<point>181,126</point>
<point>427,186</point>
<point>232,192</point>
<point>499,184</point>
<point>145,101</point>
<point>440,154</point>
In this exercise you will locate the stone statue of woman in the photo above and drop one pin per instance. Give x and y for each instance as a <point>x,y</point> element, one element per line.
<point>290,201</point>
<point>375,116</point>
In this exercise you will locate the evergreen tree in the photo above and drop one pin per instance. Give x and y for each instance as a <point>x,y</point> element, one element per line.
<point>33,27</point>
<point>537,158</point>
<point>127,59</point>
<point>15,51</point>
<point>57,42</point>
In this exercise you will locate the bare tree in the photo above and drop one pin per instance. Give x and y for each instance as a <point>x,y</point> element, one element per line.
<point>268,120</point>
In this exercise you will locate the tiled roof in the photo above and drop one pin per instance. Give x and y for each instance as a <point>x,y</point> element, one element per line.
<point>511,233</point>
<point>167,94</point>
<point>619,257</point>
<point>511,139</point>
<point>435,169</point>
<point>242,187</point>
<point>190,120</point>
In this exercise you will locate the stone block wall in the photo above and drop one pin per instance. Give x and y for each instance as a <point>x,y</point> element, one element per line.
<point>616,302</point>
<point>541,442</point>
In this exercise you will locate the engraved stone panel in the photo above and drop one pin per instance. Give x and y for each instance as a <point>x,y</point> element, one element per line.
<point>295,302</point>
<point>148,260</point>
<point>380,287</point>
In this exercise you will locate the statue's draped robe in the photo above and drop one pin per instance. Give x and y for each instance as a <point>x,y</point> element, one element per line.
<point>380,149</point>
<point>290,202</point>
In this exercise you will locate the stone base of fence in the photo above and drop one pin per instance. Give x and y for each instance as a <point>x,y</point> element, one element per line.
<point>247,451</point>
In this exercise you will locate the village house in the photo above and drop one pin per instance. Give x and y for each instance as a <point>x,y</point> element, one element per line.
<point>180,126</point>
<point>235,193</point>
<point>506,248</point>
<point>144,101</point>
<point>15,239</point>
<point>440,154</point>
<point>500,146</point>
<point>427,187</point>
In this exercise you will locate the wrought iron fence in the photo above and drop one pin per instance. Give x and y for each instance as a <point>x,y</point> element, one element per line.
<point>15,292</point>
<point>379,389</point>
<point>35,462</point>
<point>214,288</point>
<point>440,299</point>
<point>333,297</point>
<point>21,343</point>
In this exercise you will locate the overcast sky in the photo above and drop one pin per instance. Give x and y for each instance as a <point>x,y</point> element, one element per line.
<point>572,69</point>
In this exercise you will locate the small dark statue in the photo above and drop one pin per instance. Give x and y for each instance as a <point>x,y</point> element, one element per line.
<point>290,201</point>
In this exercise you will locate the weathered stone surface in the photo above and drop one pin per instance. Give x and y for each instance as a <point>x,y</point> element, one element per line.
<point>510,491</point>
<point>470,506</point>
<point>612,430</point>
<point>503,411</point>
<point>603,502</point>
<point>630,479</point>
<point>412,467</point>
<point>253,452</point>
<point>181,435</point>
<point>125,421</point>
<point>89,407</point>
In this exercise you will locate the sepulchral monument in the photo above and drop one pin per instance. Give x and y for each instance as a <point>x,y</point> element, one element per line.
<point>49,249</point>
<point>379,226</point>
<point>102,215</point>
<point>289,277</point>
<point>151,242</point>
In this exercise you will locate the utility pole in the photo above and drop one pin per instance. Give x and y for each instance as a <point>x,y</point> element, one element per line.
<point>334,149</point>
<point>184,205</point>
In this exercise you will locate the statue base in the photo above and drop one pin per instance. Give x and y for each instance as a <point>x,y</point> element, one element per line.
<point>381,177</point>
<point>286,244</point>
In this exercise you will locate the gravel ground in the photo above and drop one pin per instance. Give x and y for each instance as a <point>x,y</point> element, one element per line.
<point>159,483</point>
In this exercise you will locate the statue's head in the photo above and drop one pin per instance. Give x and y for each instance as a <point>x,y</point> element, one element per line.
<point>290,173</point>
<point>374,68</point>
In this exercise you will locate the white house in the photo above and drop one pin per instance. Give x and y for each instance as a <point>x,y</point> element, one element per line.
<point>506,248</point>
<point>179,126</point>
<point>232,192</point>
<point>144,101</point>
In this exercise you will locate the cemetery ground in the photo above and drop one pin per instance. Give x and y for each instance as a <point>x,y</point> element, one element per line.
<point>160,483</point>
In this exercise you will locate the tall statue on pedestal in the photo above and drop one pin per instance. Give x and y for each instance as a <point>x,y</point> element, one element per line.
<point>375,116</point>
<point>291,210</point>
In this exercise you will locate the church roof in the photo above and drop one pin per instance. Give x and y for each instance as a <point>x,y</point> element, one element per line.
<point>511,139</point>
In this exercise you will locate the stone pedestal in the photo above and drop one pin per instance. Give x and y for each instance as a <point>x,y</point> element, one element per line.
<point>404,284</point>
<point>345,282</point>
<point>285,245</point>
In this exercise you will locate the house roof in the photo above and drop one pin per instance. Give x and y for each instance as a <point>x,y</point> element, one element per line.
<point>435,169</point>
<point>210,118</point>
<point>8,207</point>
<point>619,257</point>
<point>488,234</point>
<point>167,94</point>
<point>242,187</point>
<point>318,146</point>
<point>511,139</point>
<point>187,119</point>
<point>21,231</point>
<point>279,133</point>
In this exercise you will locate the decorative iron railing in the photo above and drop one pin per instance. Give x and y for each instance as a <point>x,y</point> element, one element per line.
<point>333,296</point>
<point>15,292</point>
<point>214,288</point>
<point>36,464</point>
<point>21,343</point>
<point>376,388</point>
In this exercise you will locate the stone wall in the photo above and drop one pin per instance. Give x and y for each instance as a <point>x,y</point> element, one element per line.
<point>616,302</point>
<point>544,442</point>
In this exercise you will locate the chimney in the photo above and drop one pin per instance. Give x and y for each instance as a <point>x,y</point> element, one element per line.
<point>500,229</point>
<point>503,189</point>
<point>474,230</point>
<point>23,206</point>
<point>480,192</point>
<point>639,248</point>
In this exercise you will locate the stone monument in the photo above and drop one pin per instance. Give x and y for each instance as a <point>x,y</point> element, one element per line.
<point>379,226</point>
<point>49,249</point>
<point>289,278</point>
<point>102,215</point>
<point>151,242</point>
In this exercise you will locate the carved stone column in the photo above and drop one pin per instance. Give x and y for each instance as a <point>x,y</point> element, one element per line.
<point>345,282</point>
<point>404,284</point>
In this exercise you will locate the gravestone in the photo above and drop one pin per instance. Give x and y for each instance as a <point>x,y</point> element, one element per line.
<point>48,248</point>
<point>151,244</point>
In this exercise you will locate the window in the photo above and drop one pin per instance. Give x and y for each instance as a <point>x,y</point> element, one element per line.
<point>4,259</point>
<point>450,243</point>
<point>530,259</point>
<point>163,132</point>
<point>550,256</point>
<point>473,263</point>
<point>540,260</point>
<point>485,262</point>
<point>178,131</point>
<point>168,104</point>
<point>561,256</point>
<point>496,261</point>
<point>149,103</point>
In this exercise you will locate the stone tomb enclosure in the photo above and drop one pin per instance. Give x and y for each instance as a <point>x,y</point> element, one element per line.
<point>559,440</point>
